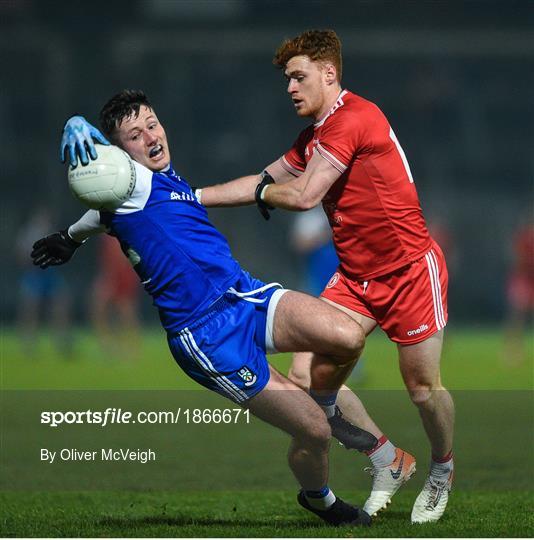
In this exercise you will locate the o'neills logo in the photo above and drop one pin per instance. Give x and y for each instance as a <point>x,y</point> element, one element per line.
<point>333,280</point>
<point>422,328</point>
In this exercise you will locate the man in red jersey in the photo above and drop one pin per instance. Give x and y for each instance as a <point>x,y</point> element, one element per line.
<point>520,292</point>
<point>391,273</point>
<point>114,300</point>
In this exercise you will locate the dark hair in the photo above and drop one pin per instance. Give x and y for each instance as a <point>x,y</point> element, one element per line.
<point>121,106</point>
<point>318,45</point>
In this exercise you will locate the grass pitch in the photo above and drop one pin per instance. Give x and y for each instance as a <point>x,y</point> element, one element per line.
<point>248,514</point>
<point>239,485</point>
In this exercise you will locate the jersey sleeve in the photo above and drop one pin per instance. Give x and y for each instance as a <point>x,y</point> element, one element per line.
<point>88,225</point>
<point>340,140</point>
<point>294,161</point>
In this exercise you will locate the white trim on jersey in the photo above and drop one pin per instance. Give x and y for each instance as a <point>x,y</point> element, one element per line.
<point>141,192</point>
<point>288,167</point>
<point>393,137</point>
<point>228,387</point>
<point>433,272</point>
<point>339,103</point>
<point>341,167</point>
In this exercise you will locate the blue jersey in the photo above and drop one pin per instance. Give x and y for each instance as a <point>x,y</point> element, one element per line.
<point>184,263</point>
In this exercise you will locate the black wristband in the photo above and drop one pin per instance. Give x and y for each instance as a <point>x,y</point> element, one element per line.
<point>70,241</point>
<point>263,207</point>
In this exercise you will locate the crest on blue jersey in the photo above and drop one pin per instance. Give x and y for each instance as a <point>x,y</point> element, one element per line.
<point>247,375</point>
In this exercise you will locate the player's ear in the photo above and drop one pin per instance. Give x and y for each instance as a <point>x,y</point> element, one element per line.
<point>330,74</point>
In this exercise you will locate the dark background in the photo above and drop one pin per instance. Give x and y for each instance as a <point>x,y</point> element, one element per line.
<point>455,80</point>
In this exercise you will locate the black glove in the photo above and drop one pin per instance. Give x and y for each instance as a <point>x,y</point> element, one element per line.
<point>54,249</point>
<point>263,207</point>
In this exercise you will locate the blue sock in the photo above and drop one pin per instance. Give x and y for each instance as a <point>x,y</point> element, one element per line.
<point>327,403</point>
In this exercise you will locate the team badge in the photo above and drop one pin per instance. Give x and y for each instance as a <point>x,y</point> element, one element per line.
<point>333,280</point>
<point>246,374</point>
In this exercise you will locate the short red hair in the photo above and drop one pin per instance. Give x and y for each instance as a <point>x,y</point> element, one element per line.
<point>318,45</point>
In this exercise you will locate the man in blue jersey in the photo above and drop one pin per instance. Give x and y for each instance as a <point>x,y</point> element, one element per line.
<point>220,321</point>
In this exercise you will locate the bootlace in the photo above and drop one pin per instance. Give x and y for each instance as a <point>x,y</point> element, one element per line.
<point>435,491</point>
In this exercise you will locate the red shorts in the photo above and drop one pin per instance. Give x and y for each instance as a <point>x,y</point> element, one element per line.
<point>409,304</point>
<point>521,292</point>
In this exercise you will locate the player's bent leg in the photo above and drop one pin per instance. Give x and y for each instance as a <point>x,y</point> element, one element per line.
<point>304,323</point>
<point>361,438</point>
<point>391,467</point>
<point>350,405</point>
<point>348,402</point>
<point>366,323</point>
<point>285,406</point>
<point>299,371</point>
<point>419,365</point>
<point>282,404</point>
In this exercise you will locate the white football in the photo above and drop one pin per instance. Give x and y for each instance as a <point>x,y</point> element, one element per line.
<point>106,182</point>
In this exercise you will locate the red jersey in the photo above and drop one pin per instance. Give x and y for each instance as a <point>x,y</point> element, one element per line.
<point>373,207</point>
<point>116,274</point>
<point>524,251</point>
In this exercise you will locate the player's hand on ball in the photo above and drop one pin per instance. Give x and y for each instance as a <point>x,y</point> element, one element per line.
<point>78,135</point>
<point>54,249</point>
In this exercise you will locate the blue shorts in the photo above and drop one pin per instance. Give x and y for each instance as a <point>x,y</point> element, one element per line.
<point>225,349</point>
<point>35,283</point>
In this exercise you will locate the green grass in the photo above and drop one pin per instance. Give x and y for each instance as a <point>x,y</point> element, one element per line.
<point>215,482</point>
<point>472,360</point>
<point>247,514</point>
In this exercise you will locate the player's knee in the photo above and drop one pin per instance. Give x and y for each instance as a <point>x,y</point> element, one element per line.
<point>350,338</point>
<point>421,393</point>
<point>359,339</point>
<point>317,433</point>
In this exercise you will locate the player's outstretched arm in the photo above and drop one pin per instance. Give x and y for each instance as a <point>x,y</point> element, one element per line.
<point>78,138</point>
<point>241,191</point>
<point>238,192</point>
<point>304,192</point>
<point>58,248</point>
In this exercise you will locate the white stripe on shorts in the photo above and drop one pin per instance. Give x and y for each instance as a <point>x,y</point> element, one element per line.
<point>433,272</point>
<point>269,323</point>
<point>204,362</point>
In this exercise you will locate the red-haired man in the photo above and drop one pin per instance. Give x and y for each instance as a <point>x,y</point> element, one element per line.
<point>392,274</point>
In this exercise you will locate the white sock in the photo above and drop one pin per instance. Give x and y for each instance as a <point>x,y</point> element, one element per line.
<point>320,500</point>
<point>384,455</point>
<point>327,403</point>
<point>440,469</point>
<point>329,410</point>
